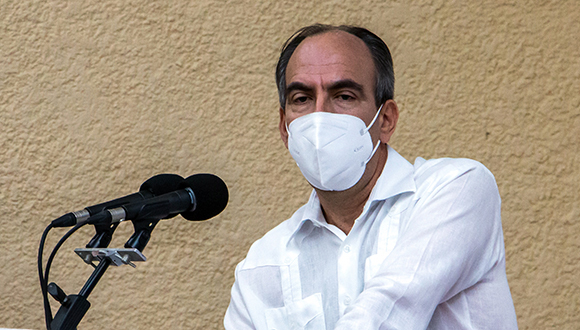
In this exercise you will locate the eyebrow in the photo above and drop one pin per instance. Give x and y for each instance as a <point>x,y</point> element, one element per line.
<point>297,86</point>
<point>344,83</point>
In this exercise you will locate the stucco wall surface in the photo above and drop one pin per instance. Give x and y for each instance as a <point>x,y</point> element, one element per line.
<point>98,96</point>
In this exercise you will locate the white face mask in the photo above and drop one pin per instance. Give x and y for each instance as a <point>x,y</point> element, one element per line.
<point>331,149</point>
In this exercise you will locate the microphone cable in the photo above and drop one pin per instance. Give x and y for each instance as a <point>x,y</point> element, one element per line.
<point>47,311</point>
<point>44,279</point>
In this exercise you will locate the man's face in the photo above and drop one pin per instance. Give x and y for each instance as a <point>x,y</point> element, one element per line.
<point>332,72</point>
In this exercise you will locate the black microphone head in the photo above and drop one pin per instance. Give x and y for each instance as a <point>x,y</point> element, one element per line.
<point>162,184</point>
<point>211,196</point>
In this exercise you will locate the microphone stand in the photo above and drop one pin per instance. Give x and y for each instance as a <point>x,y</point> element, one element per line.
<point>74,307</point>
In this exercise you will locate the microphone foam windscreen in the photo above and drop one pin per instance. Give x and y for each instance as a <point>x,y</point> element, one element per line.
<point>211,195</point>
<point>162,184</point>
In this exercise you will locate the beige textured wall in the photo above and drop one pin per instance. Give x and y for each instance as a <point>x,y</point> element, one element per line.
<point>97,96</point>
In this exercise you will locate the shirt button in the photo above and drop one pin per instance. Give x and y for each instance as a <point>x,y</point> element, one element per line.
<point>347,300</point>
<point>346,249</point>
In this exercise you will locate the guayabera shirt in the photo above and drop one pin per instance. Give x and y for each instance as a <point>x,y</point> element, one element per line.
<point>427,252</point>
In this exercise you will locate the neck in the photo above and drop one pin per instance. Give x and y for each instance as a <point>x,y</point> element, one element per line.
<point>342,208</point>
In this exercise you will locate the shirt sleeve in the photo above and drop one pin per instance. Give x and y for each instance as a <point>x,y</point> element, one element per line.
<point>451,239</point>
<point>237,315</point>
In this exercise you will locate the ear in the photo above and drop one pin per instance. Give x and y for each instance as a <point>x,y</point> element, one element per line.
<point>282,127</point>
<point>389,116</point>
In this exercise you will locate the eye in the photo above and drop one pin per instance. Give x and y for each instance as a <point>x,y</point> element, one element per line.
<point>348,97</point>
<point>300,99</point>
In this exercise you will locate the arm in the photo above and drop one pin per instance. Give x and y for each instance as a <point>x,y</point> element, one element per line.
<point>237,316</point>
<point>450,241</point>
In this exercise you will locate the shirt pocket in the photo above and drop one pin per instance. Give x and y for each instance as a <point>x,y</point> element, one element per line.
<point>304,314</point>
<point>373,264</point>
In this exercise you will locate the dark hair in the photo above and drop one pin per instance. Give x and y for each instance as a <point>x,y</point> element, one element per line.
<point>385,85</point>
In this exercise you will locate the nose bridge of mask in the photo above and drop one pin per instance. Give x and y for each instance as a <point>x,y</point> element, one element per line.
<point>320,121</point>
<point>317,129</point>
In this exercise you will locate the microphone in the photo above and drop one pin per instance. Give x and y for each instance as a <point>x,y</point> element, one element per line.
<point>157,185</point>
<point>202,196</point>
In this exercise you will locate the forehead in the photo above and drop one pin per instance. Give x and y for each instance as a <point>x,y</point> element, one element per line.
<point>333,55</point>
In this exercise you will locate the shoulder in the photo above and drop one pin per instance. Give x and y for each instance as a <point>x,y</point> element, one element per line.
<point>271,249</point>
<point>455,179</point>
<point>438,172</point>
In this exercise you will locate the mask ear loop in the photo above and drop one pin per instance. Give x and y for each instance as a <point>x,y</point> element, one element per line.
<point>378,142</point>
<point>372,121</point>
<point>372,153</point>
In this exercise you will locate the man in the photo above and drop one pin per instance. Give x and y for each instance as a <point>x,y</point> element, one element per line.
<point>382,243</point>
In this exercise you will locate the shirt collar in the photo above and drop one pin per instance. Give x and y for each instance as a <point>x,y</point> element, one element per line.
<point>313,210</point>
<point>396,178</point>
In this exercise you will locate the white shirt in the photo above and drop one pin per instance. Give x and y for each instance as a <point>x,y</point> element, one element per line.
<point>427,252</point>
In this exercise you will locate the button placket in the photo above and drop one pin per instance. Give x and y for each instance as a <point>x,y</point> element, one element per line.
<point>347,273</point>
